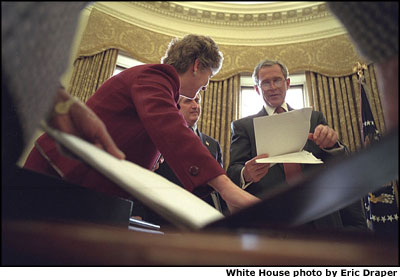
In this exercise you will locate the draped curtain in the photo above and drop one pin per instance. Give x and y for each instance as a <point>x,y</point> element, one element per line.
<point>220,106</point>
<point>338,98</point>
<point>90,72</point>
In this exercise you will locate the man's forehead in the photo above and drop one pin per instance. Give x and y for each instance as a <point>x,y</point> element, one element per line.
<point>186,99</point>
<point>270,70</point>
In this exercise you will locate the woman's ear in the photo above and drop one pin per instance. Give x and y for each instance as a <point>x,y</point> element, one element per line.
<point>196,66</point>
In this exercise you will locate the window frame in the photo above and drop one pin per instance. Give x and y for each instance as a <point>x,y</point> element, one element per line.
<point>124,61</point>
<point>296,80</point>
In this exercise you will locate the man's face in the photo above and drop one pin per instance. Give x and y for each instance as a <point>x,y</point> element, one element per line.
<point>190,109</point>
<point>272,85</point>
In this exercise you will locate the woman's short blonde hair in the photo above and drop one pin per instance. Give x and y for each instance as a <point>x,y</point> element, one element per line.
<point>181,53</point>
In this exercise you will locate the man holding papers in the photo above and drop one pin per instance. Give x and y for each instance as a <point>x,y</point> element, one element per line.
<point>271,82</point>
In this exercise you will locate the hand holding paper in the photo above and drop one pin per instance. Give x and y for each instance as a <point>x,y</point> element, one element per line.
<point>281,134</point>
<point>254,171</point>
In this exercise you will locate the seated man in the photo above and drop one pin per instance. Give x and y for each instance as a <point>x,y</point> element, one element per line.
<point>271,82</point>
<point>191,110</point>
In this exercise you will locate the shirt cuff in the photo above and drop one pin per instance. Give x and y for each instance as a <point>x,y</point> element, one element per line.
<point>337,148</point>
<point>243,184</point>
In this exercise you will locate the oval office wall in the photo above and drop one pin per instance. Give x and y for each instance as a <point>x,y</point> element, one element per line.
<point>323,51</point>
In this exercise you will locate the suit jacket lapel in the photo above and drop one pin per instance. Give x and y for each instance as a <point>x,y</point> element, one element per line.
<point>205,142</point>
<point>289,108</point>
<point>263,112</point>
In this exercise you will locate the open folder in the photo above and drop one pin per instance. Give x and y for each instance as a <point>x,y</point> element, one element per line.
<point>169,200</point>
<point>318,194</point>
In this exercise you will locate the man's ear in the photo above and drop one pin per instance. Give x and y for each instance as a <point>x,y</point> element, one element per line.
<point>257,89</point>
<point>287,83</point>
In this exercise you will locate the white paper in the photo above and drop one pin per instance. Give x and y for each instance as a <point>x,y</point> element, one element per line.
<point>166,198</point>
<point>298,157</point>
<point>284,133</point>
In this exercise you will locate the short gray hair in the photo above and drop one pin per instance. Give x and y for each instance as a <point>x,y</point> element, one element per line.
<point>267,63</point>
<point>181,53</point>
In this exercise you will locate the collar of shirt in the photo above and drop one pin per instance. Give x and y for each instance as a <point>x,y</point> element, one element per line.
<point>271,110</point>
<point>194,127</point>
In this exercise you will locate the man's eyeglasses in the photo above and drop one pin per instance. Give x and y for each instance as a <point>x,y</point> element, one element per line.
<point>267,84</point>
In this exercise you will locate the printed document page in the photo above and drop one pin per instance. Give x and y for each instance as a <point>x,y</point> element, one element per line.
<point>281,134</point>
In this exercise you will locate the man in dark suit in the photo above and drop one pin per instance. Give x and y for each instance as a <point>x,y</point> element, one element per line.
<point>191,109</point>
<point>271,82</point>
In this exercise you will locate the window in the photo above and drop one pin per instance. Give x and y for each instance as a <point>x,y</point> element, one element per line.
<point>251,102</point>
<point>124,62</point>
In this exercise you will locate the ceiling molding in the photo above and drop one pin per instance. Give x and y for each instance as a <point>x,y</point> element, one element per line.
<point>243,16</point>
<point>234,24</point>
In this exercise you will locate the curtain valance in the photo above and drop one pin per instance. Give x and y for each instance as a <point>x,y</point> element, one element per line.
<point>334,56</point>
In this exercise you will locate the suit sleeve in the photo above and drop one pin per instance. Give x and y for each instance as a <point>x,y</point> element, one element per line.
<point>318,118</point>
<point>219,155</point>
<point>240,151</point>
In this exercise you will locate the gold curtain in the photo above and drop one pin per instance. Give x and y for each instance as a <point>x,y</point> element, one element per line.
<point>338,98</point>
<point>90,72</point>
<point>220,106</point>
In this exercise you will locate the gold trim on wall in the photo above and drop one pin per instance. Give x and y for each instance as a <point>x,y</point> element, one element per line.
<point>266,23</point>
<point>332,57</point>
<point>245,17</point>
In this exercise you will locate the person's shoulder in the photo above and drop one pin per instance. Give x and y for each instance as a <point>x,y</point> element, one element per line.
<point>152,73</point>
<point>316,113</point>
<point>210,138</point>
<point>247,119</point>
<point>169,69</point>
<point>163,69</point>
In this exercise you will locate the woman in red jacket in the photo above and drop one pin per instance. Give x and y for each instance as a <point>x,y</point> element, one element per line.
<point>139,108</point>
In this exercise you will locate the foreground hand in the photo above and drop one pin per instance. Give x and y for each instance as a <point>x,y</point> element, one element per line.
<point>324,136</point>
<point>235,197</point>
<point>253,172</point>
<point>81,121</point>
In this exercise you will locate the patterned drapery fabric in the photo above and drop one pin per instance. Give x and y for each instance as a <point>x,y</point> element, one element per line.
<point>91,72</point>
<point>220,106</point>
<point>338,98</point>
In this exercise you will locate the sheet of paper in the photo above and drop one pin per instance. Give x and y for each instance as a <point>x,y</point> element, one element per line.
<point>164,197</point>
<point>282,134</point>
<point>298,157</point>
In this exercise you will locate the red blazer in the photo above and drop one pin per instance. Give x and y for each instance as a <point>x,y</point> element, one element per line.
<point>139,109</point>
